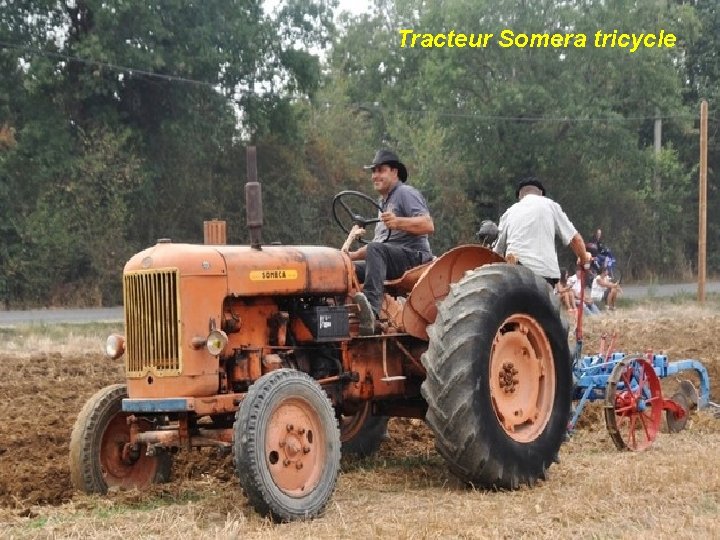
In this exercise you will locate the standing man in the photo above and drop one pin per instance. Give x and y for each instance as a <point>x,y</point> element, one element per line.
<point>405,213</point>
<point>528,229</point>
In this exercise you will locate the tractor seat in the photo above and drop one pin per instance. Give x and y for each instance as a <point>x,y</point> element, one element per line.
<point>405,283</point>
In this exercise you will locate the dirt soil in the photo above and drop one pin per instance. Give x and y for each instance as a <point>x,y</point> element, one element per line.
<point>41,394</point>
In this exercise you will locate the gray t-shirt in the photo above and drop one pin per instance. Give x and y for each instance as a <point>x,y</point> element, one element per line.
<point>404,201</point>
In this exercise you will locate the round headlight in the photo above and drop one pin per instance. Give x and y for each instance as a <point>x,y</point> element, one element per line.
<point>216,341</point>
<point>114,346</point>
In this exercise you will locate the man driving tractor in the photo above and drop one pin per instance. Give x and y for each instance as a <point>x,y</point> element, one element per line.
<point>405,214</point>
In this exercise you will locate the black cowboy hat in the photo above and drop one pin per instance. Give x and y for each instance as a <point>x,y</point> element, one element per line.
<point>388,157</point>
<point>529,181</point>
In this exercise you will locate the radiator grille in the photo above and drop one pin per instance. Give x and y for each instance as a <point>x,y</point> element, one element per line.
<point>152,322</point>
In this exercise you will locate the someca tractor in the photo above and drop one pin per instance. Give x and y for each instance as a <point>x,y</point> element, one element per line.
<point>256,350</point>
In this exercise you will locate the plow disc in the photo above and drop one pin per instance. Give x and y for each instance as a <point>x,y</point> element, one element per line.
<point>675,422</point>
<point>633,404</point>
<point>692,397</point>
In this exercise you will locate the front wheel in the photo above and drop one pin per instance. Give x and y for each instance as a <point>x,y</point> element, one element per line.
<point>499,378</point>
<point>101,456</point>
<point>287,446</point>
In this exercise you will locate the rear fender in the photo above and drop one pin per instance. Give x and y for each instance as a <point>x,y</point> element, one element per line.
<point>420,309</point>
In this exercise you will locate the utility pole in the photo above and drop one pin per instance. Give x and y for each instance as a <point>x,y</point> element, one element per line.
<point>702,195</point>
<point>658,148</point>
<point>657,177</point>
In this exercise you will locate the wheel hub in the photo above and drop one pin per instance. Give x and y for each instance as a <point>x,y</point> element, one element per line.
<point>295,445</point>
<point>130,452</point>
<point>124,464</point>
<point>294,450</point>
<point>507,377</point>
<point>522,382</point>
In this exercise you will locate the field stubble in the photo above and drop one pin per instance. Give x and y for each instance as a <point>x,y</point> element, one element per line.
<point>406,491</point>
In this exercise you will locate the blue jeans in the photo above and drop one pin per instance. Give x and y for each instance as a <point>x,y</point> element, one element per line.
<point>590,309</point>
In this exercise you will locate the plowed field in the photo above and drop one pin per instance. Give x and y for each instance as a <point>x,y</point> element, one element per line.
<point>44,385</point>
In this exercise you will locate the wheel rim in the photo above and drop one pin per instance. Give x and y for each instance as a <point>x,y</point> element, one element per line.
<point>633,404</point>
<point>522,378</point>
<point>350,425</point>
<point>122,464</point>
<point>295,447</point>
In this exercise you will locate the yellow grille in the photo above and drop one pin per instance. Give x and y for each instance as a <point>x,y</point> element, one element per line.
<point>152,322</point>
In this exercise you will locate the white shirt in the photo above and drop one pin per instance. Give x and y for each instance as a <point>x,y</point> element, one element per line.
<point>528,229</point>
<point>598,290</point>
<point>572,281</point>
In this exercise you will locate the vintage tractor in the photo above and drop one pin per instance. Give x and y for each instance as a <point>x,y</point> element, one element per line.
<point>255,350</point>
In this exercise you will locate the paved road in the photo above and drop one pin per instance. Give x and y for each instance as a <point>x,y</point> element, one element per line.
<point>51,316</point>
<point>115,314</point>
<point>667,290</point>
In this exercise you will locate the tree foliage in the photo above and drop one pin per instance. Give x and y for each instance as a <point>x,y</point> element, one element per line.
<point>122,122</point>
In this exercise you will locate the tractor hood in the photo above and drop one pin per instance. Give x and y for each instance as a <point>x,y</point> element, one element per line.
<point>252,272</point>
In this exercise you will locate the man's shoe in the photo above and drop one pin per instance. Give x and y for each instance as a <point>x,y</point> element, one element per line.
<point>367,315</point>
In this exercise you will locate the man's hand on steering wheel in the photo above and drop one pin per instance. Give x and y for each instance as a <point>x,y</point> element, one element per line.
<point>341,201</point>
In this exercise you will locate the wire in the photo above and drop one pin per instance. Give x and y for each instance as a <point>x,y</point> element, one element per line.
<point>530,119</point>
<point>369,107</point>
<point>98,63</point>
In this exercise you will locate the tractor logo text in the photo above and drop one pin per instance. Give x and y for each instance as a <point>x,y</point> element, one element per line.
<point>272,275</point>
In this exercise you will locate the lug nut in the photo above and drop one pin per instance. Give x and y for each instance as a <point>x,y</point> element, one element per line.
<point>286,462</point>
<point>299,465</point>
<point>306,450</point>
<point>289,427</point>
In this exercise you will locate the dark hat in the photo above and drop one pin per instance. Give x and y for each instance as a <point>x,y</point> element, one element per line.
<point>529,181</point>
<point>388,157</point>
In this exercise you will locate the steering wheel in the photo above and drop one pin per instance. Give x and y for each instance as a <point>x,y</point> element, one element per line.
<point>341,199</point>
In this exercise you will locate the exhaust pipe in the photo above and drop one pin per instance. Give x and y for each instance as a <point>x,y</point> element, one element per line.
<point>253,200</point>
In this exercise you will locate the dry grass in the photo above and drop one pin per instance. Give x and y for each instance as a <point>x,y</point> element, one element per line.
<point>672,491</point>
<point>29,340</point>
<point>669,491</point>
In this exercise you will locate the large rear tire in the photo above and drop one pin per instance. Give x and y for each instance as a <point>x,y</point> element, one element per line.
<point>101,457</point>
<point>499,377</point>
<point>287,446</point>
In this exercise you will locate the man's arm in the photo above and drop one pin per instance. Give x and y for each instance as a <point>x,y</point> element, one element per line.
<point>356,232</point>
<point>500,245</point>
<point>417,225</point>
<point>577,244</point>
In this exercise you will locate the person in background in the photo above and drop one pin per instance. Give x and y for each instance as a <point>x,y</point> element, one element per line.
<point>589,307</point>
<point>565,292</point>
<point>603,288</point>
<point>487,233</point>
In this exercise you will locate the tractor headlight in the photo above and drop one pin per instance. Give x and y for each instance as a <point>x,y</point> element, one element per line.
<point>216,342</point>
<point>114,346</point>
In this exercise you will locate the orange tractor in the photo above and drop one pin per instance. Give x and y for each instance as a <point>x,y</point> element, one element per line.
<point>256,350</point>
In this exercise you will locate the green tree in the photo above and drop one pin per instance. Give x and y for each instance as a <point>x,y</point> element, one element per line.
<point>135,113</point>
<point>579,118</point>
